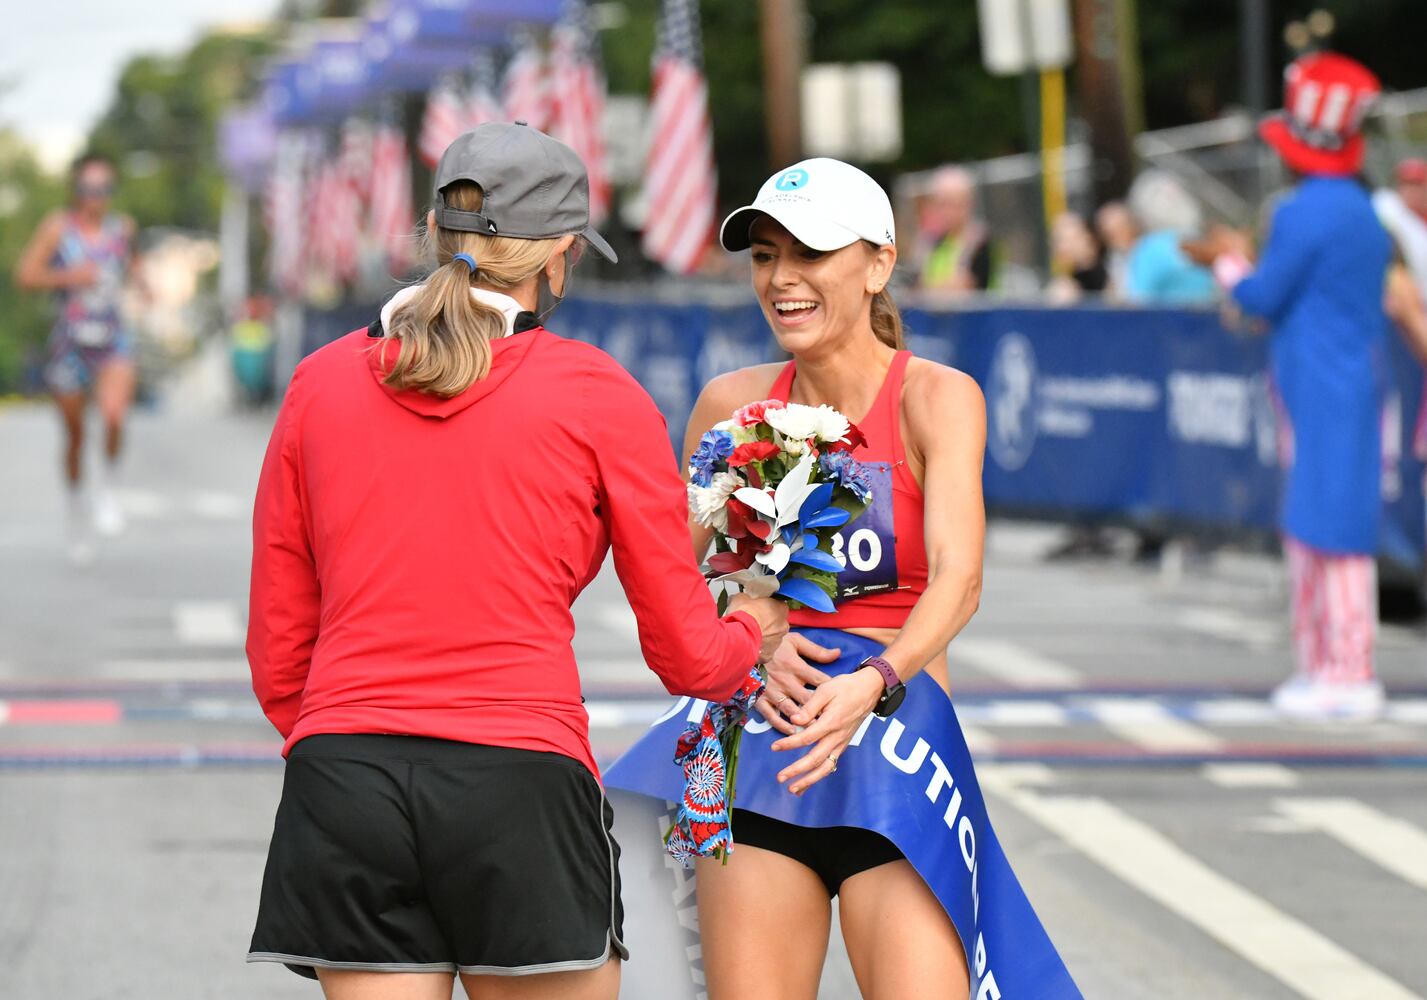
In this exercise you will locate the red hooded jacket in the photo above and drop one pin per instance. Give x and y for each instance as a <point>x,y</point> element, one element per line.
<point>415,558</point>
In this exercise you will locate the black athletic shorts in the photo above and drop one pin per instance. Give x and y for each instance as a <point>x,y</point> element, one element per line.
<point>834,853</point>
<point>407,854</point>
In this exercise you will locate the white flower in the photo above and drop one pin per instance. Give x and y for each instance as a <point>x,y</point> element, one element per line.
<point>709,504</point>
<point>798,423</point>
<point>832,425</point>
<point>794,421</point>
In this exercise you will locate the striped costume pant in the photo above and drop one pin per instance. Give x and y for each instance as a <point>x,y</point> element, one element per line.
<point>1334,612</point>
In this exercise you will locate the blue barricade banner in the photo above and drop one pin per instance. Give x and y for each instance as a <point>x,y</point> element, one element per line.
<point>1145,415</point>
<point>909,778</point>
<point>1152,416</point>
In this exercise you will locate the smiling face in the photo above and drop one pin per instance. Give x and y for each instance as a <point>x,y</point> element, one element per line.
<point>814,299</point>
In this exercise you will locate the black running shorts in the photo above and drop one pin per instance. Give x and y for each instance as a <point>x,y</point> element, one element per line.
<point>834,853</point>
<point>407,854</point>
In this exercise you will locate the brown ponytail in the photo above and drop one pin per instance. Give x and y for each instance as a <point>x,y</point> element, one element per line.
<point>445,332</point>
<point>887,320</point>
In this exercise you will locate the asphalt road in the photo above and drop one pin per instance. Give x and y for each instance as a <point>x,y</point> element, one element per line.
<point>1177,840</point>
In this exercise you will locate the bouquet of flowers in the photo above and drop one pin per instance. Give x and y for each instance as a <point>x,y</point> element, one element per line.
<point>775,482</point>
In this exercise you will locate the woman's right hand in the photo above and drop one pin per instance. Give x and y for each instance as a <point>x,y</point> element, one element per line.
<point>792,679</point>
<point>772,618</point>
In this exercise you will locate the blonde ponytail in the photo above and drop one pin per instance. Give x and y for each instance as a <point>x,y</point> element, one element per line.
<point>445,332</point>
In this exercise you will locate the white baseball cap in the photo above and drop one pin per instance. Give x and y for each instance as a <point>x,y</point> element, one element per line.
<point>825,203</point>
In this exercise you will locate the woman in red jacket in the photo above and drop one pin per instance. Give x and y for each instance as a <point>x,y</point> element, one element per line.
<point>438,490</point>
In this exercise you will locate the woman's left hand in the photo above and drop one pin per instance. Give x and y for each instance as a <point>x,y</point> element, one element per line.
<point>831,717</point>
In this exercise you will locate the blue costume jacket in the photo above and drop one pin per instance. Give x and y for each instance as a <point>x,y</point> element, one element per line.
<point>1320,284</point>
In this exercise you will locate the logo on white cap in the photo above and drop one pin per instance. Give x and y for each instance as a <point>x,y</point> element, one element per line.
<point>825,203</point>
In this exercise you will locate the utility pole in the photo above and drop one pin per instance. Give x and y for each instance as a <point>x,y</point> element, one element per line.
<point>1107,75</point>
<point>784,29</point>
<point>1253,56</point>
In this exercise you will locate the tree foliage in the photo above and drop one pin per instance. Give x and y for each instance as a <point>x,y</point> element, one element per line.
<point>161,128</point>
<point>26,194</point>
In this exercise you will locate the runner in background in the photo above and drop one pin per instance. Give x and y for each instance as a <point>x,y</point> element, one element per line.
<point>82,254</point>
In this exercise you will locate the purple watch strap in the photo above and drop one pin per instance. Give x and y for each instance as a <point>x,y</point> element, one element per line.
<point>889,676</point>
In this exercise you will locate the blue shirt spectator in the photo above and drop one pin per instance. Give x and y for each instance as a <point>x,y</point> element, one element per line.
<point>1160,274</point>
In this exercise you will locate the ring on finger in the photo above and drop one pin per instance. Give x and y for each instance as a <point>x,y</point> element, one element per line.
<point>778,704</point>
<point>832,759</point>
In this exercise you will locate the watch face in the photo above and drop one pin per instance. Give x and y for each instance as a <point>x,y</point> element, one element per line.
<point>891,701</point>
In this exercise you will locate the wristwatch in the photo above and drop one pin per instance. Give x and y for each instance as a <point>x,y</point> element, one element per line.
<point>894,691</point>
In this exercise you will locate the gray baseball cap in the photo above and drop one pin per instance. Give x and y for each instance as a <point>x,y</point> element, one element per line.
<point>536,187</point>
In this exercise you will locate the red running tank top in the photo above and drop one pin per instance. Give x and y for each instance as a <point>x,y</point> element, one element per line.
<point>884,548</point>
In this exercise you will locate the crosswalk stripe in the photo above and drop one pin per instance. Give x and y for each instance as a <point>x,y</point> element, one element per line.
<point>173,670</point>
<point>1249,775</point>
<point>1392,843</point>
<point>1015,664</point>
<point>1017,713</point>
<point>1233,711</point>
<point>1282,946</point>
<point>1232,627</point>
<point>1150,725</point>
<point>208,623</point>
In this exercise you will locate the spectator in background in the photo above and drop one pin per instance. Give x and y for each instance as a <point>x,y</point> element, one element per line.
<point>1159,272</point>
<point>1319,283</point>
<point>1404,212</point>
<point>956,251</point>
<point>1077,261</point>
<point>1117,231</point>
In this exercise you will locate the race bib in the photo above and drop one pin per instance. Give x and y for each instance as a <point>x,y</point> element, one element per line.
<point>867,545</point>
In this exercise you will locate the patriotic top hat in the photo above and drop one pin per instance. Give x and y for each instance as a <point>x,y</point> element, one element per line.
<point>1325,99</point>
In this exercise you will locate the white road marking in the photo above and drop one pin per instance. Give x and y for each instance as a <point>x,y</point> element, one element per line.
<point>1239,774</point>
<point>617,618</point>
<point>144,503</point>
<point>978,740</point>
<point>1015,664</point>
<point>1235,712</point>
<point>208,623</point>
<point>1015,774</point>
<point>613,714</point>
<point>221,506</point>
<point>1232,627</point>
<point>1282,946</point>
<point>1018,713</point>
<point>1392,843</point>
<point>1410,710</point>
<point>1150,725</point>
<point>173,670</point>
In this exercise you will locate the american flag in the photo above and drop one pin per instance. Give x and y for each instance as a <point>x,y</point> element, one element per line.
<point>482,104</point>
<point>392,215</point>
<point>283,207</point>
<point>444,120</point>
<point>526,86</point>
<point>578,119</point>
<point>680,181</point>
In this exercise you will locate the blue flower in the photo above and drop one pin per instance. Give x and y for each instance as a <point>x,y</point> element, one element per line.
<point>844,470</point>
<point>713,448</point>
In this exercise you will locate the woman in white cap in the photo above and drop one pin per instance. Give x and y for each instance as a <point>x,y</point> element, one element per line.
<point>438,489</point>
<point>857,783</point>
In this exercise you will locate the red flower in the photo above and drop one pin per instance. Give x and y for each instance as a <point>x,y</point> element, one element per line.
<point>854,438</point>
<point>743,522</point>
<point>731,562</point>
<point>753,451</point>
<point>753,413</point>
